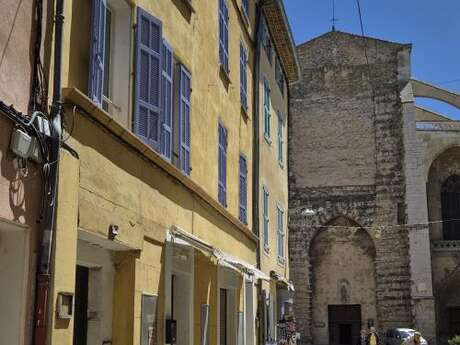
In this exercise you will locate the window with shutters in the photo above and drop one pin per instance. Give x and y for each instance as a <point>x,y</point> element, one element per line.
<point>147,99</point>
<point>280,140</point>
<point>279,75</point>
<point>223,35</point>
<point>267,114</point>
<point>222,165</point>
<point>167,101</point>
<point>266,41</point>
<point>109,75</point>
<point>450,207</point>
<point>243,77</point>
<point>243,189</point>
<point>266,219</point>
<point>280,233</point>
<point>184,97</point>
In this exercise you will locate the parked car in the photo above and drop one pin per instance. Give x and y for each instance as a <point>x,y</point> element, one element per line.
<point>397,336</point>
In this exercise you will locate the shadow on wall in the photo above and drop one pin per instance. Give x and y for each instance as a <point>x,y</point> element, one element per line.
<point>22,179</point>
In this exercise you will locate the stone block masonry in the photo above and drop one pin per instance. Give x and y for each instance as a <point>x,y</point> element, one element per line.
<point>346,159</point>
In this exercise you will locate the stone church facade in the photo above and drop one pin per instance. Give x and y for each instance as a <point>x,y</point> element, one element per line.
<point>367,170</point>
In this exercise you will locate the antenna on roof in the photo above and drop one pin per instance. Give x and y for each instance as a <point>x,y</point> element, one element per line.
<point>334,19</point>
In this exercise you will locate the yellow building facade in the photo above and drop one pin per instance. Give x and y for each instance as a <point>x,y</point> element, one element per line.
<point>155,240</point>
<point>277,67</point>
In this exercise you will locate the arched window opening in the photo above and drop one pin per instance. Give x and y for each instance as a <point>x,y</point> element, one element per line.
<point>450,206</point>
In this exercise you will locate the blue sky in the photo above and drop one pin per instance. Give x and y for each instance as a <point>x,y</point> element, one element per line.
<point>433,27</point>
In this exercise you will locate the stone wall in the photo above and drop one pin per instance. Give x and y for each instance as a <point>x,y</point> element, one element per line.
<point>346,158</point>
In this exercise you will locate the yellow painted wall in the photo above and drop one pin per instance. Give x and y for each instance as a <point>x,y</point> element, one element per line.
<point>194,40</point>
<point>272,174</point>
<point>118,185</point>
<point>65,248</point>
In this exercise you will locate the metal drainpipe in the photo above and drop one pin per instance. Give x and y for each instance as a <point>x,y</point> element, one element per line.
<point>255,169</point>
<point>43,270</point>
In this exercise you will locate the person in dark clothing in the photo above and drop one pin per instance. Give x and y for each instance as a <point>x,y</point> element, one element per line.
<point>363,338</point>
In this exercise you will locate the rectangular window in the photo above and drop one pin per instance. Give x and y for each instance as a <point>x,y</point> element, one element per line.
<point>222,184</point>
<point>223,35</point>
<point>243,189</point>
<point>267,115</point>
<point>280,233</point>
<point>147,100</point>
<point>167,96</point>
<point>265,218</point>
<point>243,77</point>
<point>184,119</point>
<point>97,50</point>
<point>106,86</point>
<point>280,140</point>
<point>223,317</point>
<point>266,41</point>
<point>279,75</point>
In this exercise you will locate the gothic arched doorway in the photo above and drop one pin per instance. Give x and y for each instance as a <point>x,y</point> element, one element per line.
<point>343,282</point>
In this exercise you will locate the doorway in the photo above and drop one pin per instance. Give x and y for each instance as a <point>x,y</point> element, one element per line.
<point>344,324</point>
<point>80,326</point>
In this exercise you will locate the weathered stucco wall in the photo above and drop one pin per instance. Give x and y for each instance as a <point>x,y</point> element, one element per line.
<point>20,189</point>
<point>365,182</point>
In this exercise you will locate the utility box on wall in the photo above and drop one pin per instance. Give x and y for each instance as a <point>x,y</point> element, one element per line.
<point>65,305</point>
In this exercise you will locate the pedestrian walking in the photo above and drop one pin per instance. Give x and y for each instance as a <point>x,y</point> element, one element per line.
<point>373,337</point>
<point>363,338</point>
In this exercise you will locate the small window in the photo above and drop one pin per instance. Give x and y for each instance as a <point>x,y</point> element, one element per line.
<point>267,114</point>
<point>222,162</point>
<point>450,206</point>
<point>280,233</point>
<point>243,189</point>
<point>279,75</point>
<point>266,218</point>
<point>280,140</point>
<point>266,41</point>
<point>243,77</point>
<point>223,35</point>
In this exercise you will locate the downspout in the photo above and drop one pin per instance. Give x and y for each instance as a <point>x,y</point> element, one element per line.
<point>52,167</point>
<point>256,165</point>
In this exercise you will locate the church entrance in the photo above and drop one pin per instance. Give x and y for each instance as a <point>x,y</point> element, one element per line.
<point>344,324</point>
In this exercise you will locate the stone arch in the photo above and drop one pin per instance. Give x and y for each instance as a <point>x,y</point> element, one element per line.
<point>342,273</point>
<point>443,167</point>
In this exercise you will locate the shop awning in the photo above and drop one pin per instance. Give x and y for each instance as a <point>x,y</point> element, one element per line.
<point>179,236</point>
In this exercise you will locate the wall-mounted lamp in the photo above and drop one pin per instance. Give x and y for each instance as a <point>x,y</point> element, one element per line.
<point>113,231</point>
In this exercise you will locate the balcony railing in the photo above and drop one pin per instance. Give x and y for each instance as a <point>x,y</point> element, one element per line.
<point>446,246</point>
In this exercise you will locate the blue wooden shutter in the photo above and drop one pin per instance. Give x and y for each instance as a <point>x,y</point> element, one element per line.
<point>266,217</point>
<point>243,189</point>
<point>97,48</point>
<point>267,115</point>
<point>167,95</point>
<point>222,183</point>
<point>223,34</point>
<point>243,77</point>
<point>147,100</point>
<point>280,140</point>
<point>184,119</point>
<point>280,231</point>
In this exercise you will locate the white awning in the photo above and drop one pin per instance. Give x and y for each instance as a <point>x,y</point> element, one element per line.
<point>179,236</point>
<point>283,280</point>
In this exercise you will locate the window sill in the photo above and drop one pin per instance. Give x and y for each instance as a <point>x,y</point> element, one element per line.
<point>127,137</point>
<point>225,74</point>
<point>188,5</point>
<point>244,111</point>
<point>267,139</point>
<point>281,261</point>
